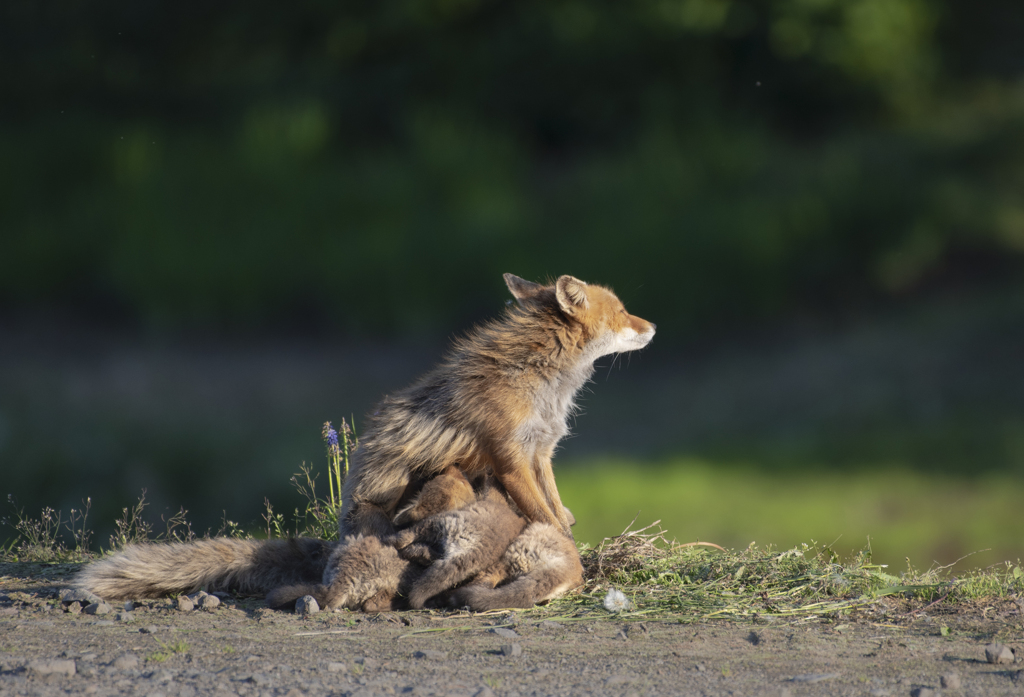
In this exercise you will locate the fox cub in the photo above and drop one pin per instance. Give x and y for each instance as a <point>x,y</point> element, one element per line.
<point>479,556</point>
<point>499,402</point>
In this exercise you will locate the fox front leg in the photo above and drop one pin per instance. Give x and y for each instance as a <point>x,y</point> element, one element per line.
<point>518,477</point>
<point>545,476</point>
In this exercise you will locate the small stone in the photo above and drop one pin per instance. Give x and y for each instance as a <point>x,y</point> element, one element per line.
<point>484,692</point>
<point>185,603</point>
<point>125,617</point>
<point>998,654</point>
<point>336,667</point>
<point>504,632</point>
<point>103,623</point>
<point>99,608</point>
<point>129,605</point>
<point>74,607</point>
<point>951,681</point>
<point>149,629</point>
<point>814,677</point>
<point>638,631</point>
<point>307,605</point>
<point>431,655</point>
<point>618,680</point>
<point>511,650</point>
<point>68,595</point>
<point>367,663</point>
<point>550,626</point>
<point>126,662</point>
<point>922,692</point>
<point>260,680</point>
<point>621,636</point>
<point>208,602</point>
<point>53,667</point>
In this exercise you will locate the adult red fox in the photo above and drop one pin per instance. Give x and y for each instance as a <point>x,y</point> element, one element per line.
<point>496,406</point>
<point>499,402</point>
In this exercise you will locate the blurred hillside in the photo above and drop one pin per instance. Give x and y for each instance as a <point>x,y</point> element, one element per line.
<point>369,169</point>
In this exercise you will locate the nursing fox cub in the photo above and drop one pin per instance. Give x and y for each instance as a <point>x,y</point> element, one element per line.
<point>413,529</point>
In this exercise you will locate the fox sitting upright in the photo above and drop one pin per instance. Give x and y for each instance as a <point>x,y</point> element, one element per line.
<point>498,402</point>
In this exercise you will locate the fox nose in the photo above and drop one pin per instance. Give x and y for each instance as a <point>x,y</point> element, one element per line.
<point>653,325</point>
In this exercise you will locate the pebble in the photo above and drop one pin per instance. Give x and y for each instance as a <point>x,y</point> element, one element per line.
<point>307,605</point>
<point>149,629</point>
<point>68,595</point>
<point>100,608</point>
<point>951,681</point>
<point>814,677</point>
<point>260,680</point>
<point>129,605</point>
<point>998,654</point>
<point>52,667</point>
<point>126,662</point>
<point>336,667</point>
<point>431,655</point>
<point>511,650</point>
<point>125,617</point>
<point>922,692</point>
<point>185,603</point>
<point>371,663</point>
<point>549,625</point>
<point>504,632</point>
<point>484,692</point>
<point>208,602</point>
<point>74,607</point>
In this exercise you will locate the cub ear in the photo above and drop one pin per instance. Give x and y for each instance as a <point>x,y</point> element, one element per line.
<point>520,288</point>
<point>572,294</point>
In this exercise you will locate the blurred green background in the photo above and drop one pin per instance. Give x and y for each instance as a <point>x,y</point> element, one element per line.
<point>221,225</point>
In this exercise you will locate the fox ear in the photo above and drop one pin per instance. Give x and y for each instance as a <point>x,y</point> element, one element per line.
<point>520,288</point>
<point>572,294</point>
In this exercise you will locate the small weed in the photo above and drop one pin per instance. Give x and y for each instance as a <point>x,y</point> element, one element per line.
<point>42,539</point>
<point>168,650</point>
<point>492,682</point>
<point>227,648</point>
<point>357,669</point>
<point>130,528</point>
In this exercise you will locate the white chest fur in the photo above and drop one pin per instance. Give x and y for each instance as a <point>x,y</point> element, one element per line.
<point>553,402</point>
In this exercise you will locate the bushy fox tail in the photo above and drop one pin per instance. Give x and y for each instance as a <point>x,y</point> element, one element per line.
<point>247,566</point>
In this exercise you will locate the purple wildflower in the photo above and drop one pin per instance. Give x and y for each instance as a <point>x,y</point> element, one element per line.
<point>331,436</point>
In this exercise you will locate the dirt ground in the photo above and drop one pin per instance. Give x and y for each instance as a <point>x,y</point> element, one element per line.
<point>243,648</point>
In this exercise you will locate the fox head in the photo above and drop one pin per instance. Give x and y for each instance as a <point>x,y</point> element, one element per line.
<point>607,327</point>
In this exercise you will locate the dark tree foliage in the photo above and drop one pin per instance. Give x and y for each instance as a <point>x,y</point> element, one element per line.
<point>375,166</point>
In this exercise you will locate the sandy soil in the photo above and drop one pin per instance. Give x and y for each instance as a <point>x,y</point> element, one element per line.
<point>244,648</point>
